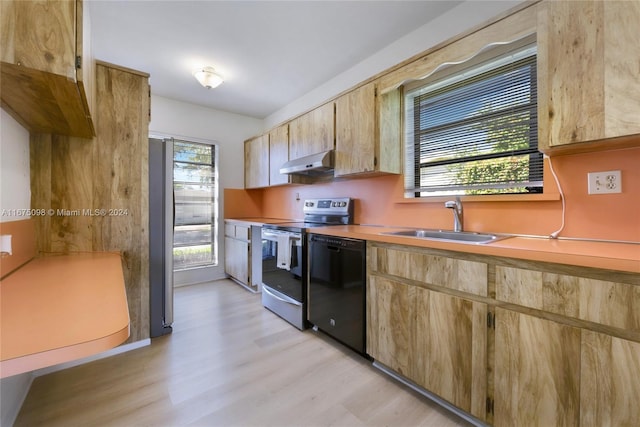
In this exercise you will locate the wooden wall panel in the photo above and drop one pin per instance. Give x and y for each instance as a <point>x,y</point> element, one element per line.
<point>98,188</point>
<point>120,168</point>
<point>510,28</point>
<point>40,171</point>
<point>71,192</point>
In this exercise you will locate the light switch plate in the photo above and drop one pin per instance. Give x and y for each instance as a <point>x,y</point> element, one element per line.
<point>606,182</point>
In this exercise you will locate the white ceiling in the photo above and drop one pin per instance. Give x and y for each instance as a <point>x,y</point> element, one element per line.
<point>270,52</point>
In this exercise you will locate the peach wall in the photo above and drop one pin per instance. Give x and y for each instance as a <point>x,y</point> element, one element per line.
<point>242,204</point>
<point>380,201</point>
<point>23,242</point>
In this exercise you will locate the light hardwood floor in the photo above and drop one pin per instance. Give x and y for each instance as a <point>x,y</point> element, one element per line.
<point>229,362</point>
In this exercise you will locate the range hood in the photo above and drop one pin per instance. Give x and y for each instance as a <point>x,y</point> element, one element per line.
<point>315,164</point>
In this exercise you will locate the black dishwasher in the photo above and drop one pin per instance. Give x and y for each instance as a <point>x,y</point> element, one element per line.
<point>336,288</point>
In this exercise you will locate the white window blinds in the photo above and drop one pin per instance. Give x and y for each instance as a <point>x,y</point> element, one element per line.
<point>475,131</point>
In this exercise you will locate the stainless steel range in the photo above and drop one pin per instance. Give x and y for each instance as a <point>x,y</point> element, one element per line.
<point>284,257</point>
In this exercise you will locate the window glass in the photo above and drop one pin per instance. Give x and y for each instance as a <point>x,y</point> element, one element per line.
<point>196,199</point>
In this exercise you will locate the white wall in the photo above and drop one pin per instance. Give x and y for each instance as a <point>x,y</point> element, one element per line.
<point>459,19</point>
<point>15,193</point>
<point>229,131</point>
<point>15,185</point>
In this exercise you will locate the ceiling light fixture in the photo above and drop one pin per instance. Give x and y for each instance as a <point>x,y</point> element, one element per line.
<point>208,77</point>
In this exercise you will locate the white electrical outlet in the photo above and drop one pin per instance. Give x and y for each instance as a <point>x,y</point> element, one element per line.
<point>606,182</point>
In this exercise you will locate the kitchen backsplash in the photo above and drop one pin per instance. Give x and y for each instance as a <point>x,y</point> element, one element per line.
<point>380,201</point>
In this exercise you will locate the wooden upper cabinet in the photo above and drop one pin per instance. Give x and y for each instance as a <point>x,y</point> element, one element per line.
<point>278,154</point>
<point>47,66</point>
<point>312,132</point>
<point>256,162</point>
<point>368,136</point>
<point>40,35</point>
<point>588,71</point>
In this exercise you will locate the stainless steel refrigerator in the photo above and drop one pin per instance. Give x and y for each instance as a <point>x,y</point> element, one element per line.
<point>161,223</point>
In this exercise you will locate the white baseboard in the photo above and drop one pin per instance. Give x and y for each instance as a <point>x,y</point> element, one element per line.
<point>116,350</point>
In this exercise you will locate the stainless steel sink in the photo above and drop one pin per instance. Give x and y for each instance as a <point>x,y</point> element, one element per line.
<point>450,236</point>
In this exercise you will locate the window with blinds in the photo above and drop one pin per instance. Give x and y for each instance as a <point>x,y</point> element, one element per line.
<point>474,130</point>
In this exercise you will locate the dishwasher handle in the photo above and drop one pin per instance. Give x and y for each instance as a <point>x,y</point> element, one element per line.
<point>337,243</point>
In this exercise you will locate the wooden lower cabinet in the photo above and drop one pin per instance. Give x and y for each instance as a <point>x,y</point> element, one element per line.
<point>436,340</point>
<point>237,246</point>
<point>516,343</point>
<point>391,313</point>
<point>610,381</point>
<point>537,371</point>
<point>548,373</point>
<point>236,261</point>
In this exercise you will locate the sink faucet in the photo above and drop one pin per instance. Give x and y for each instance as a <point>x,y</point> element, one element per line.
<point>458,218</point>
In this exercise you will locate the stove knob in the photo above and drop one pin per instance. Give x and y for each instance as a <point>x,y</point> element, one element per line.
<point>334,204</point>
<point>343,204</point>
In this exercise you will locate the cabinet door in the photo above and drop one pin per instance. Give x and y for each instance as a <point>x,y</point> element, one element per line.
<point>436,340</point>
<point>256,162</point>
<point>312,133</point>
<point>587,71</point>
<point>356,131</point>
<point>40,35</point>
<point>236,259</point>
<point>42,88</point>
<point>609,387</point>
<point>278,154</point>
<point>537,371</point>
<point>391,313</point>
<point>451,356</point>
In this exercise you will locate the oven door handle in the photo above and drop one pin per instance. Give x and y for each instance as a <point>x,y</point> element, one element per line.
<point>269,236</point>
<point>273,237</point>
<point>279,297</point>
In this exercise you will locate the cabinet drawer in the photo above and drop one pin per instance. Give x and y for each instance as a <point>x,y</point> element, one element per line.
<point>452,273</point>
<point>608,303</point>
<point>242,232</point>
<point>237,231</point>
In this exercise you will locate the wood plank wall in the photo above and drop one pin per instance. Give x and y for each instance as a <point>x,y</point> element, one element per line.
<point>107,172</point>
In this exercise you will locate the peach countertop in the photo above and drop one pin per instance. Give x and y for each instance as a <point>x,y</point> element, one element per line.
<point>604,255</point>
<point>257,221</point>
<point>609,256</point>
<point>60,308</point>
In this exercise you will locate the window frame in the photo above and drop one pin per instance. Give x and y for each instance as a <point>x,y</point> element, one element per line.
<point>499,56</point>
<point>215,184</point>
